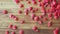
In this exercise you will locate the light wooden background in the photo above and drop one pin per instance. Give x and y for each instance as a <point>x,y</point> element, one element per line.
<point>13,8</point>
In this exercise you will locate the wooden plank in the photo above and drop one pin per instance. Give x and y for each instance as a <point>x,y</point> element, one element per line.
<point>9,5</point>
<point>29,31</point>
<point>27,27</point>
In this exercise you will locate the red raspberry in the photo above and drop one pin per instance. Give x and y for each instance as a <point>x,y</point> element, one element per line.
<point>40,22</point>
<point>10,26</point>
<point>56,31</point>
<point>11,15</point>
<point>37,30</point>
<point>16,1</point>
<point>21,32</point>
<point>23,21</point>
<point>45,19</point>
<point>7,32</point>
<point>16,18</point>
<point>34,2</point>
<point>32,16</point>
<point>55,13</point>
<point>36,18</point>
<point>26,11</point>
<point>40,16</point>
<point>34,28</point>
<point>28,2</point>
<point>21,6</point>
<point>50,15</point>
<point>13,32</point>
<point>5,11</point>
<point>39,0</point>
<point>41,4</point>
<point>49,23</point>
<point>36,9</point>
<point>14,27</point>
<point>30,8</point>
<point>33,11</point>
<point>19,12</point>
<point>43,13</point>
<point>55,17</point>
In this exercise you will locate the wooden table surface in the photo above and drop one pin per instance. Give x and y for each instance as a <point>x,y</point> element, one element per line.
<point>13,8</point>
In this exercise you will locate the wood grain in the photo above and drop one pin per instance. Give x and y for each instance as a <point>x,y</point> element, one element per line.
<point>12,7</point>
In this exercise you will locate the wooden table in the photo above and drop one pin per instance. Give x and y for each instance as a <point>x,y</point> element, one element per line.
<point>13,8</point>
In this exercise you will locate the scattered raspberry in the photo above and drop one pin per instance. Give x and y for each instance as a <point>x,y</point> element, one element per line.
<point>7,32</point>
<point>5,11</point>
<point>14,27</point>
<point>21,32</point>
